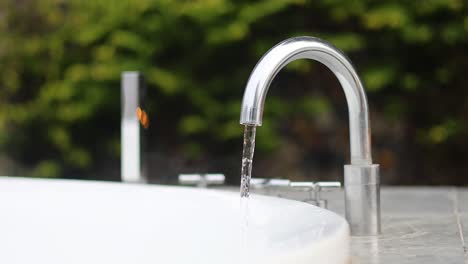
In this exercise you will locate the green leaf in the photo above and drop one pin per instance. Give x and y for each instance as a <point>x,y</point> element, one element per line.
<point>386,16</point>
<point>378,77</point>
<point>192,125</point>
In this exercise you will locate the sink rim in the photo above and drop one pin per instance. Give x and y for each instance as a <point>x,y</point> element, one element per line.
<point>58,186</point>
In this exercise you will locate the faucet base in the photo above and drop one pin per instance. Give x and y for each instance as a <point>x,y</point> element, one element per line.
<point>362,199</point>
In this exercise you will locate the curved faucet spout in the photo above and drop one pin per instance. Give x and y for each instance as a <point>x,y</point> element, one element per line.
<point>312,48</point>
<point>361,177</point>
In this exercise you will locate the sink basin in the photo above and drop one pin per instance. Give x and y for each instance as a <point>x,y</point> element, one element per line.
<point>68,221</point>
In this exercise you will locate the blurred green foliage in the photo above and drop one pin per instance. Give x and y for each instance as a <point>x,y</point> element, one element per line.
<point>61,60</point>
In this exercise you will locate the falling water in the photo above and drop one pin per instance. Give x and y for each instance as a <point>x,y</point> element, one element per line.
<point>247,157</point>
<point>244,231</point>
<point>246,174</point>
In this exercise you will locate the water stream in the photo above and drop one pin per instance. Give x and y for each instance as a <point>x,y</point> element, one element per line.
<point>247,158</point>
<point>246,174</point>
<point>244,249</point>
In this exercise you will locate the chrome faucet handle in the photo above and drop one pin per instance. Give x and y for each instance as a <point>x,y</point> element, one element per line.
<point>277,184</point>
<point>328,185</point>
<point>258,183</point>
<point>201,180</point>
<point>305,187</point>
<point>190,179</point>
<point>214,179</point>
<point>324,186</point>
<point>315,189</point>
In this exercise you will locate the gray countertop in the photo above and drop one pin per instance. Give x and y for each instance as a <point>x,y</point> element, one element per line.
<point>419,225</point>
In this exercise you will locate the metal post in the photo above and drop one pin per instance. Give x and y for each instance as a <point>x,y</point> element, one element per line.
<point>132,160</point>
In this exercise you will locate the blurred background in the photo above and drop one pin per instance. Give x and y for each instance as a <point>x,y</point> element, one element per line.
<point>61,61</point>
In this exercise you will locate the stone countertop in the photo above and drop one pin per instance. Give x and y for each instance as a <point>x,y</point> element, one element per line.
<point>419,225</point>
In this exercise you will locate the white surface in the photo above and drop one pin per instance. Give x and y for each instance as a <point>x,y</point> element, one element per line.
<point>59,221</point>
<point>130,128</point>
<point>131,168</point>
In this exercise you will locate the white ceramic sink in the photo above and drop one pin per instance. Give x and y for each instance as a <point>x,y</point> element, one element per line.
<point>61,221</point>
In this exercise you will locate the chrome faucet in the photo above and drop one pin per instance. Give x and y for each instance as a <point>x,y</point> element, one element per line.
<point>361,177</point>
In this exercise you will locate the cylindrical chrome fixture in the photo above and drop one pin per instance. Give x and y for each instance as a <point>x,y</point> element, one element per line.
<point>292,49</point>
<point>362,199</point>
<point>132,154</point>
